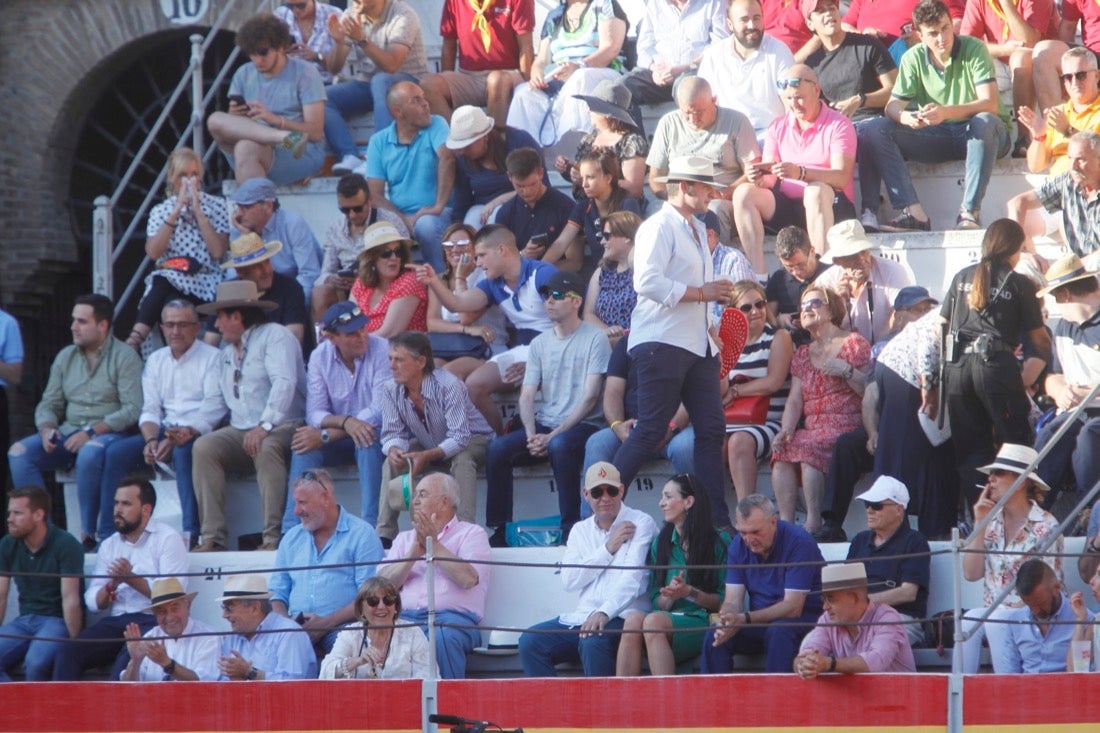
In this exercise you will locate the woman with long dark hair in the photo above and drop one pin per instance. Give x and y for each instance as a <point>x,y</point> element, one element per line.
<point>989,309</point>
<point>683,594</point>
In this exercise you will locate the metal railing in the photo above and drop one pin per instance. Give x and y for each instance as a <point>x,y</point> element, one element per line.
<point>106,249</point>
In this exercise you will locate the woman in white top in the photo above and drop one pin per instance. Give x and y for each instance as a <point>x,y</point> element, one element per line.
<point>382,646</point>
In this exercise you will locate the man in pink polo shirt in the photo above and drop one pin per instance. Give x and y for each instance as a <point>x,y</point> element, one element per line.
<point>805,176</point>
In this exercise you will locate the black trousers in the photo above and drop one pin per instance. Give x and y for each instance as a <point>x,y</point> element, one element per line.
<point>850,460</point>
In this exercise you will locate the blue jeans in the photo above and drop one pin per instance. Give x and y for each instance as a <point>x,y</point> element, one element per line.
<point>566,454</point>
<point>879,159</point>
<point>37,655</point>
<point>94,487</point>
<point>1075,459</point>
<point>980,141</point>
<point>667,376</point>
<point>540,652</point>
<point>603,444</point>
<point>778,641</point>
<point>353,98</point>
<point>428,233</point>
<point>83,654</point>
<point>451,644</point>
<point>340,453</point>
<point>181,464</point>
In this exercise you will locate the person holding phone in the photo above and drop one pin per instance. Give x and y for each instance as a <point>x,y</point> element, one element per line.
<point>308,21</point>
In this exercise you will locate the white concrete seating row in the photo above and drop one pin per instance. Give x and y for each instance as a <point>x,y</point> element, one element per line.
<point>520,596</point>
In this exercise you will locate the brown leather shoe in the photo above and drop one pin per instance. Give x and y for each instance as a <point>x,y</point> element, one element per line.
<point>210,546</point>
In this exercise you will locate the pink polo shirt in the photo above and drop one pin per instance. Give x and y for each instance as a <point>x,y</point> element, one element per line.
<point>467,541</point>
<point>831,133</point>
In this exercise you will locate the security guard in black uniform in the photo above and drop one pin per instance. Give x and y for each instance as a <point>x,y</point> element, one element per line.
<point>989,309</point>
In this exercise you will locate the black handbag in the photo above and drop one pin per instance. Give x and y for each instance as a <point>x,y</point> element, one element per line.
<point>450,346</point>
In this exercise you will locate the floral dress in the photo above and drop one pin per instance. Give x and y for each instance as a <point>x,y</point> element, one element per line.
<point>616,298</point>
<point>829,406</point>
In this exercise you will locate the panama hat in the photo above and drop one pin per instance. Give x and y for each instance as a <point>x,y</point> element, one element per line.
<point>382,233</point>
<point>1016,458</point>
<point>693,168</point>
<point>843,576</point>
<point>468,125</point>
<point>245,587</point>
<point>1063,272</point>
<point>249,249</point>
<point>166,590</point>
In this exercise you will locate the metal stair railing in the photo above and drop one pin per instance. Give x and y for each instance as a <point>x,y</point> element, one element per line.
<point>105,250</point>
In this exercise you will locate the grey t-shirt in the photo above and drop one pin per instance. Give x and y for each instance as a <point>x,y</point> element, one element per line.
<point>730,137</point>
<point>560,367</point>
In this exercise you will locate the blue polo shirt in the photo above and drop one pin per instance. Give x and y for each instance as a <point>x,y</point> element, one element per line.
<point>548,216</point>
<point>11,341</point>
<point>324,590</point>
<point>523,306</point>
<point>767,583</point>
<point>410,171</point>
<point>885,570</point>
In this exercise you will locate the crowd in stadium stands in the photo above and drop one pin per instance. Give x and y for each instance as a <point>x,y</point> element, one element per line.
<point>632,315</point>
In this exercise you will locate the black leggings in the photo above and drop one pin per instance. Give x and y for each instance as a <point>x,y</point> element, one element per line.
<point>160,293</point>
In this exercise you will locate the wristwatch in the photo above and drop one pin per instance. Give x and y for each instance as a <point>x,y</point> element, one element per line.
<point>253,674</point>
<point>90,431</point>
<point>170,668</point>
<point>267,426</point>
<point>325,437</point>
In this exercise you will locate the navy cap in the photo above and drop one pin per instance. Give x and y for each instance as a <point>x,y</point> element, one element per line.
<point>563,282</point>
<point>253,191</point>
<point>344,317</point>
<point>911,295</point>
<point>710,220</point>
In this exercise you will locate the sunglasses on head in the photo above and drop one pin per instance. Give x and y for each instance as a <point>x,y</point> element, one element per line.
<point>750,307</point>
<point>456,243</point>
<point>597,492</point>
<point>791,83</point>
<point>1079,76</point>
<point>875,506</point>
<point>339,321</point>
<point>388,253</point>
<point>345,210</point>
<point>558,295</point>
<point>373,601</point>
<point>812,304</point>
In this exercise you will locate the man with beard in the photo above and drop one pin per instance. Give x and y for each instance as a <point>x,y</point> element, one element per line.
<point>49,601</point>
<point>744,69</point>
<point>1039,632</point>
<point>128,563</point>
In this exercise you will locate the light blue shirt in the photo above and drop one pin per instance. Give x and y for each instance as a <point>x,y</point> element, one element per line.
<point>285,656</point>
<point>300,257</point>
<point>354,546</point>
<point>1027,651</point>
<point>334,390</point>
<point>11,341</point>
<point>410,171</point>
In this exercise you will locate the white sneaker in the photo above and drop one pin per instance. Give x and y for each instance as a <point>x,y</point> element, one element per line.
<point>347,165</point>
<point>361,168</point>
<point>869,220</point>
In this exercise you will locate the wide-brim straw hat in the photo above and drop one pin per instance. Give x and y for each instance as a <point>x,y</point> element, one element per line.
<point>845,239</point>
<point>610,98</point>
<point>843,576</point>
<point>236,294</point>
<point>1063,272</point>
<point>249,249</point>
<point>1016,458</point>
<point>166,590</point>
<point>245,587</point>
<point>382,233</point>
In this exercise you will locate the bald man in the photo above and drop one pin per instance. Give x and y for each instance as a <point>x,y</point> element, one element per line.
<point>698,126</point>
<point>805,175</point>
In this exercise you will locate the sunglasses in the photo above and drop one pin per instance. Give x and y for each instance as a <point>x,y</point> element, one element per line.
<point>1079,76</point>
<point>812,304</point>
<point>456,243</point>
<point>345,210</point>
<point>388,253</point>
<point>750,307</point>
<point>373,601</point>
<point>340,320</point>
<point>875,506</point>
<point>791,83</point>
<point>597,492</point>
<point>559,295</point>
<point>998,472</point>
<point>604,236</point>
<point>237,383</point>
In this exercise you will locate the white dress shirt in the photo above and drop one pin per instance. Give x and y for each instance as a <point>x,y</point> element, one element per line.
<point>601,585</point>
<point>183,392</point>
<point>748,85</point>
<point>159,552</point>
<point>198,653</point>
<point>671,254</point>
<point>679,36</point>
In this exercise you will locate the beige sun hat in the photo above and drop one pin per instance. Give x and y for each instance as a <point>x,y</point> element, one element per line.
<point>166,590</point>
<point>236,294</point>
<point>245,587</point>
<point>382,233</point>
<point>248,249</point>
<point>843,576</point>
<point>696,169</point>
<point>845,239</point>
<point>1063,272</point>
<point>468,125</point>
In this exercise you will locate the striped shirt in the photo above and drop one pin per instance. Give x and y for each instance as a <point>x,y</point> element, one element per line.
<point>449,418</point>
<point>754,365</point>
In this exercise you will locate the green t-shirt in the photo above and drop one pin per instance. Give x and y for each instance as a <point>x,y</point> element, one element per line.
<point>60,553</point>
<point>921,82</point>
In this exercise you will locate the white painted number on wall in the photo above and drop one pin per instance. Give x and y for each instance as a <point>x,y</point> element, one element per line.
<point>184,11</point>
